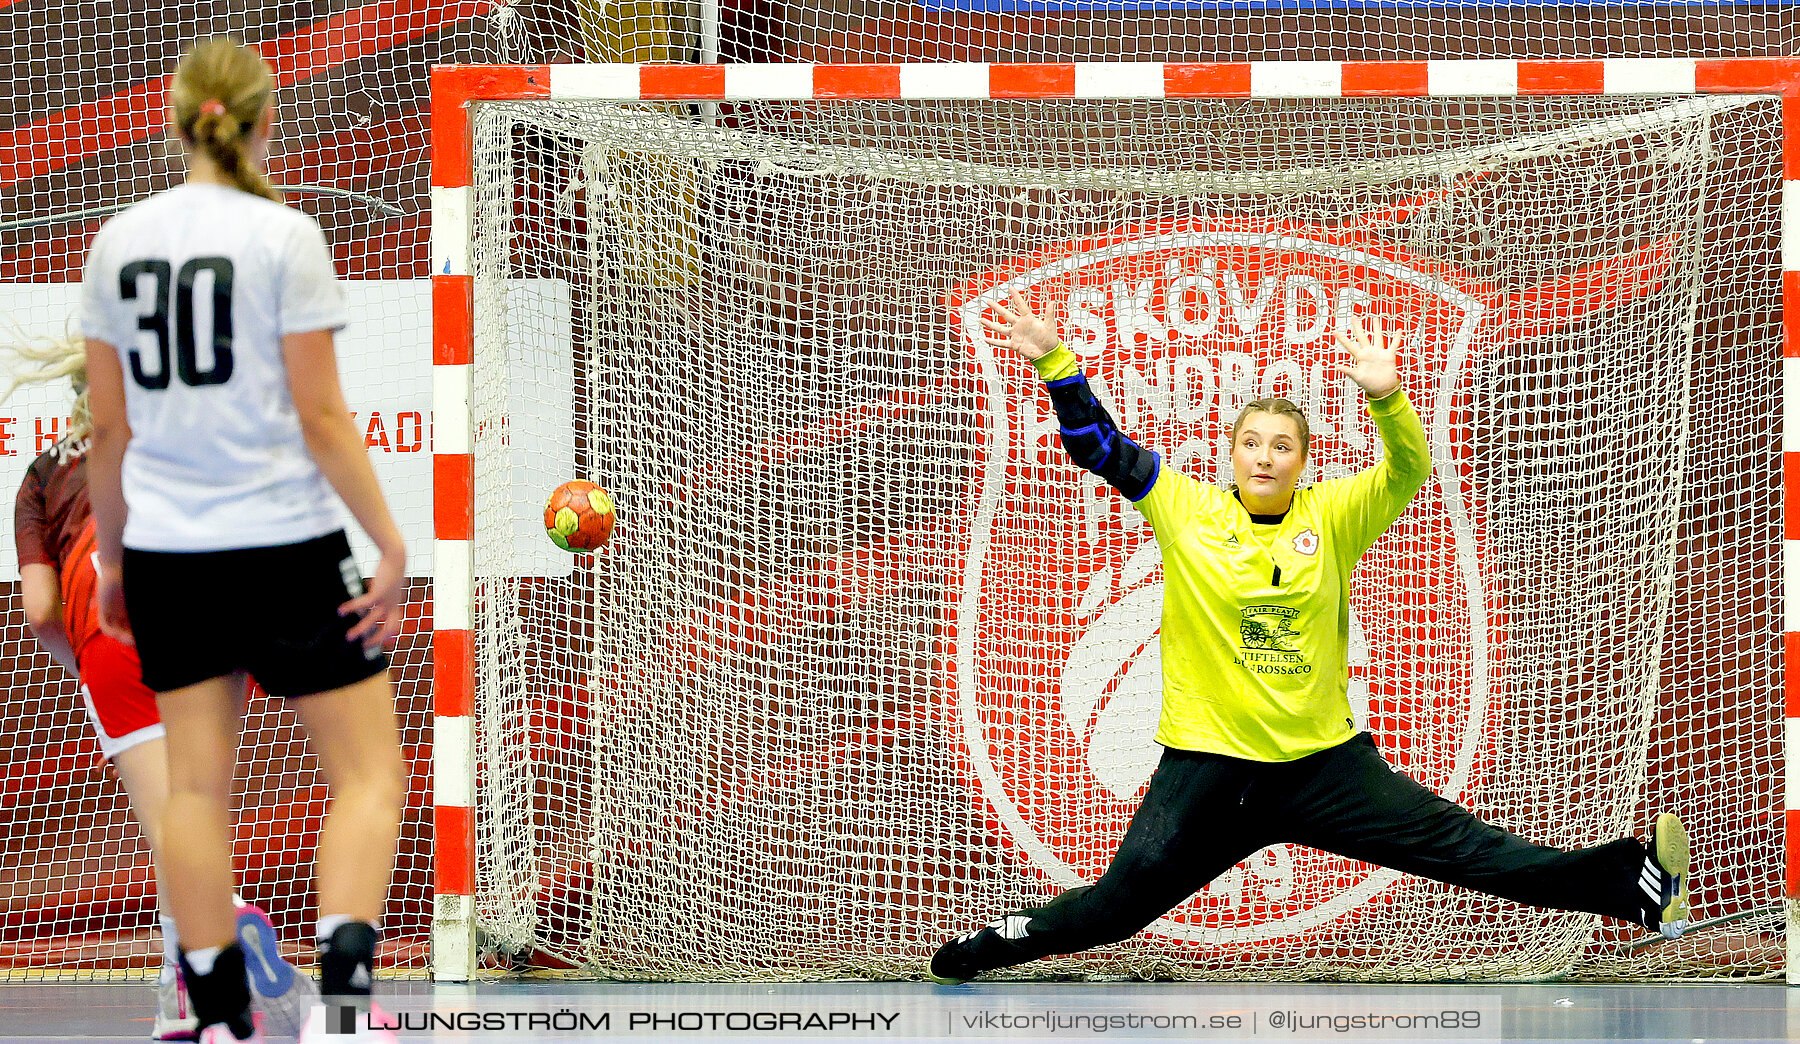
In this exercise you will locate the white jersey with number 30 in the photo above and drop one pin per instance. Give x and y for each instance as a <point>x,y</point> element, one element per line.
<point>195,288</point>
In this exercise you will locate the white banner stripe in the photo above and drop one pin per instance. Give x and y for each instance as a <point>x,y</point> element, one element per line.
<point>450,230</point>
<point>1482,77</point>
<point>1790,585</point>
<point>594,81</point>
<point>453,761</point>
<point>453,955</point>
<point>1451,77</point>
<point>453,589</point>
<point>757,80</point>
<point>1296,79</point>
<point>1790,226</point>
<point>451,387</point>
<point>1110,80</point>
<point>1791,800</point>
<point>1790,406</point>
<point>949,80</point>
<point>1648,75</point>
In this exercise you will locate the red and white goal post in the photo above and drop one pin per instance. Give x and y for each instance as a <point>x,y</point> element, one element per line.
<point>869,661</point>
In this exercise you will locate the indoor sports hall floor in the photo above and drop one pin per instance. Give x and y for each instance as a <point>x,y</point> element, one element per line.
<point>1002,1011</point>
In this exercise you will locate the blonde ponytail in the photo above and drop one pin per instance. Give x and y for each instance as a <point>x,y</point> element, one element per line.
<point>54,359</point>
<point>220,91</point>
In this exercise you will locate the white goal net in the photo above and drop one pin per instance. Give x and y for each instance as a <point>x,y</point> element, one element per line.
<point>1116,30</point>
<point>869,661</point>
<point>85,135</point>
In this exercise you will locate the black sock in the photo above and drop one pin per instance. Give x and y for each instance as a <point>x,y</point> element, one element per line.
<point>347,962</point>
<point>221,996</point>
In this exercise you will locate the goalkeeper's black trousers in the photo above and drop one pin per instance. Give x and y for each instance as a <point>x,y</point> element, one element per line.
<point>1205,813</point>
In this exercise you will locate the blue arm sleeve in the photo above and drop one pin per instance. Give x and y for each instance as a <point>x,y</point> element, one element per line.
<point>1095,442</point>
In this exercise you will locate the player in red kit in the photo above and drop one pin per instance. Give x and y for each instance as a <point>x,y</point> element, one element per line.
<point>53,530</point>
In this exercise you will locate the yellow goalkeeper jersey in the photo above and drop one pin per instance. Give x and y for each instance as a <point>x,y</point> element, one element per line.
<point>1256,618</point>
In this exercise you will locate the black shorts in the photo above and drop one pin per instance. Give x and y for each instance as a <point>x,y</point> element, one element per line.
<point>270,611</point>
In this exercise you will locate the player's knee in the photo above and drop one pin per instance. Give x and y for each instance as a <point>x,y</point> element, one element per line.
<point>387,783</point>
<point>376,779</point>
<point>200,780</point>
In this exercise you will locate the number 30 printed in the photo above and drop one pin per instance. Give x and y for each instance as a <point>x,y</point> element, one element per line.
<point>161,320</point>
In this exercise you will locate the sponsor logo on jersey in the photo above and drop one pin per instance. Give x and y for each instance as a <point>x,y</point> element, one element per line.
<point>1267,627</point>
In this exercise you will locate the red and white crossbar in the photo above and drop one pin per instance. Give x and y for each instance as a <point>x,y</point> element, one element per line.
<point>455,87</point>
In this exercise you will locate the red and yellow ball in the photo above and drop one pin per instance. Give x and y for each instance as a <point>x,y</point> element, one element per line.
<point>579,516</point>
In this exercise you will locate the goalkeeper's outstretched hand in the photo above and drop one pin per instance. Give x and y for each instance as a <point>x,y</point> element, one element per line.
<point>1019,329</point>
<point>1374,365</point>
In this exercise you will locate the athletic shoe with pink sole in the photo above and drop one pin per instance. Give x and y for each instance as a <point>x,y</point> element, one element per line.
<point>174,1016</point>
<point>283,994</point>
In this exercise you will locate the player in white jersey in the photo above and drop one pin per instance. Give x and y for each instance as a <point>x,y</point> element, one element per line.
<point>53,533</point>
<point>220,437</point>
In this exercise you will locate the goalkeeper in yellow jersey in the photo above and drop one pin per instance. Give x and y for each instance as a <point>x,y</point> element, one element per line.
<point>1263,751</point>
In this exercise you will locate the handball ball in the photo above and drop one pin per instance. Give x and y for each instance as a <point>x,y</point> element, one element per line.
<point>579,516</point>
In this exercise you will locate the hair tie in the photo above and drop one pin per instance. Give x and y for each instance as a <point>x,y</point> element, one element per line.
<point>212,107</point>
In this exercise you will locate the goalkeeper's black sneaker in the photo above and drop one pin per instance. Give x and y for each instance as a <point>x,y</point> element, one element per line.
<point>984,949</point>
<point>1663,881</point>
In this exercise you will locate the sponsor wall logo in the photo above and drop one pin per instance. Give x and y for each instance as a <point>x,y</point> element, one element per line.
<point>1057,665</point>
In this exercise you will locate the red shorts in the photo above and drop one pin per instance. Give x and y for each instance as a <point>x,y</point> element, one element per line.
<point>121,708</point>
